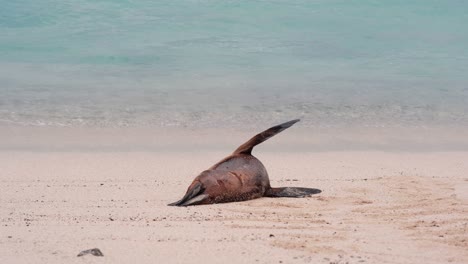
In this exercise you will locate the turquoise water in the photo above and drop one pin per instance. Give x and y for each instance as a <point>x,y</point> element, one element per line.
<point>224,63</point>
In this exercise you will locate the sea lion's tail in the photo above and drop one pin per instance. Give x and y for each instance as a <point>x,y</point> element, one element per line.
<point>247,147</point>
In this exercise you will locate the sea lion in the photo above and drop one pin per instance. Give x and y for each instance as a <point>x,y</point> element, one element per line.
<point>239,177</point>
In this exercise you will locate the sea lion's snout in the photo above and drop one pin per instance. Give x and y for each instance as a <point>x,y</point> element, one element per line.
<point>194,195</point>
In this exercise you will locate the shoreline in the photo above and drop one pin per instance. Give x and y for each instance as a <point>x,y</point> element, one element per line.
<point>297,139</point>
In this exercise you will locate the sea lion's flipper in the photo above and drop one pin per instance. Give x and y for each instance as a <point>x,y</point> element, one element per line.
<point>247,147</point>
<point>192,191</point>
<point>296,192</point>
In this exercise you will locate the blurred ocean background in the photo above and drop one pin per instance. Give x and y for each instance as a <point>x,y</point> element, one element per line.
<point>228,63</point>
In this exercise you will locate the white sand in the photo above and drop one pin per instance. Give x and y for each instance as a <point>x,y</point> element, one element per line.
<point>376,206</point>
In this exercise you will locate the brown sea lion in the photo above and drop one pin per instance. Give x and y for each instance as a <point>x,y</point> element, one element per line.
<point>239,177</point>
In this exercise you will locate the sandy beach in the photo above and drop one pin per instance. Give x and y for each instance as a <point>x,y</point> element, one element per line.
<point>377,206</point>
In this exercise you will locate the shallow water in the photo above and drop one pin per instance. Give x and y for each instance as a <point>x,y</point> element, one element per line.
<point>227,63</point>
